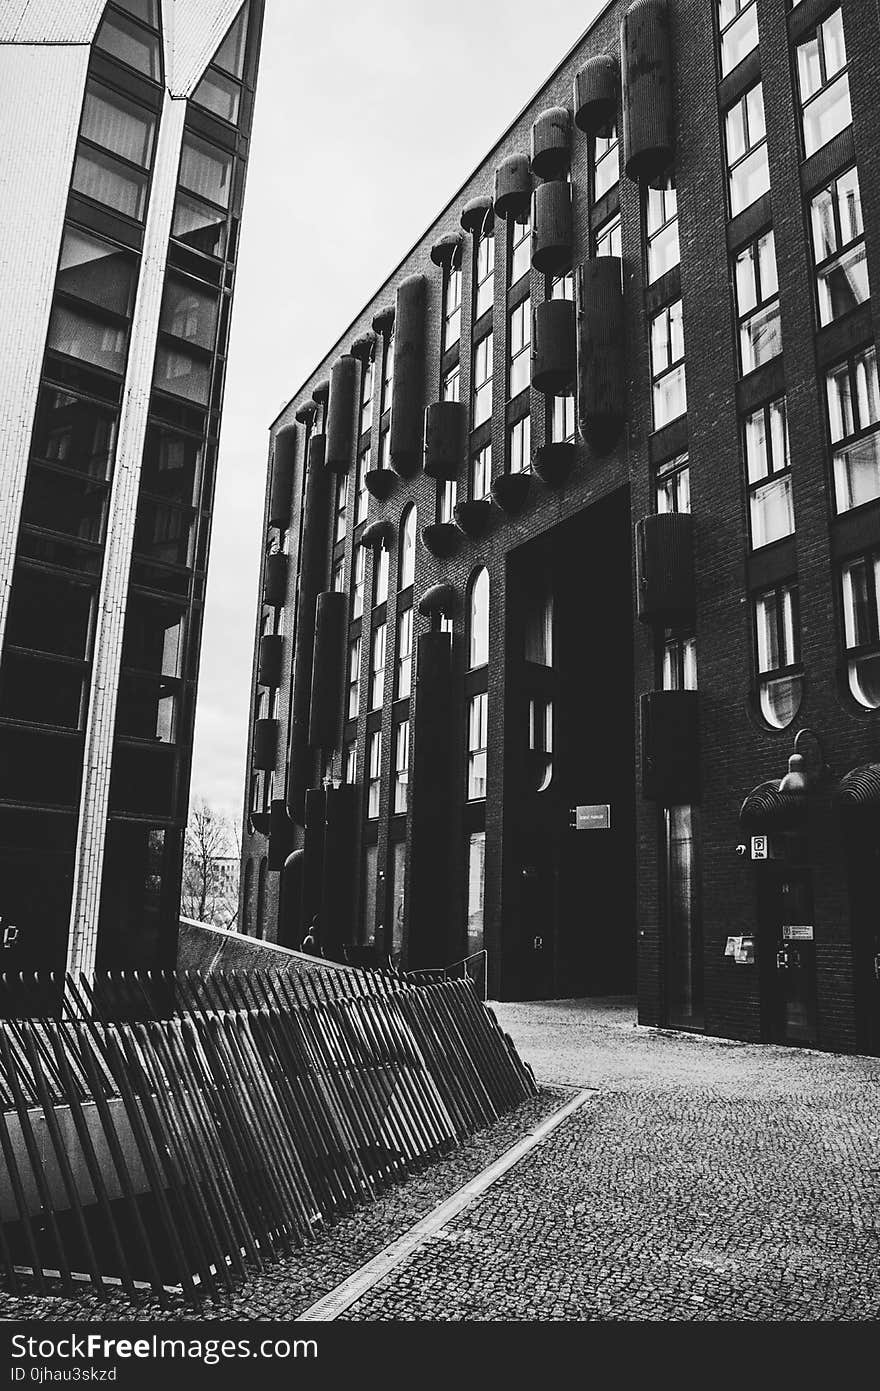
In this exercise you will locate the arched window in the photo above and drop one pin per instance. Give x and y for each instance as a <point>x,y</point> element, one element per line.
<point>246,896</point>
<point>407,560</point>
<point>261,900</point>
<point>478,620</point>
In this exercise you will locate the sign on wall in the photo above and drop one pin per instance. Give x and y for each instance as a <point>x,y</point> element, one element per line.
<point>591,818</point>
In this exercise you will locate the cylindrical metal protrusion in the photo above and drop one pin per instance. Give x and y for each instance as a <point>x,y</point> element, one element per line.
<point>445,248</point>
<point>320,393</point>
<point>477,215</point>
<point>431,797</point>
<point>280,834</point>
<point>665,567</point>
<point>601,353</point>
<point>290,926</point>
<point>553,347</point>
<point>281,490</point>
<point>383,322</point>
<point>306,413</point>
<point>328,671</point>
<point>342,414</point>
<point>446,425</point>
<point>313,858</point>
<point>670,739</point>
<point>313,561</point>
<point>597,95</point>
<point>408,389</point>
<point>363,347</point>
<point>275,579</point>
<point>337,901</point>
<point>646,63</point>
<point>551,143</point>
<point>551,227</point>
<point>265,744</point>
<point>513,187</point>
<point>269,669</point>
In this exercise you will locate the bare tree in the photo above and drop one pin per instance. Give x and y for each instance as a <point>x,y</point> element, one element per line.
<point>209,892</point>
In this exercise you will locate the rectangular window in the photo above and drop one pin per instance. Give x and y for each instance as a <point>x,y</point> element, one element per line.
<point>366,410</point>
<point>374,774</point>
<point>481,473</point>
<point>738,25</point>
<point>484,297</point>
<point>519,345</point>
<point>218,93</point>
<point>354,678</point>
<point>606,164</point>
<point>205,170</point>
<point>540,742</point>
<point>447,498</point>
<point>357,587</point>
<point>824,84</point>
<point>476,872</point>
<point>452,303</point>
<point>667,365</point>
<point>839,247</point>
<point>609,240</point>
<point>673,485</point>
<point>768,474</point>
<point>78,433</point>
<point>87,336</point>
<point>483,379</point>
<point>745,138</point>
<point>477,741</point>
<point>519,238</point>
<point>757,303</point>
<point>337,583</point>
<point>182,373</point>
<point>562,286</point>
<point>381,569</point>
<point>853,415</point>
<point>520,446</point>
<point>349,763</point>
<point>401,766</point>
<point>362,497</point>
<point>860,588</point>
<point>387,373</point>
<point>341,506</point>
<point>398,902</point>
<point>679,662</point>
<point>404,653</point>
<point>371,878</point>
<point>684,931</point>
<point>189,313</point>
<point>661,224</point>
<point>451,386</point>
<point>777,641</point>
<point>130,43</point>
<point>96,273</point>
<point>385,448</point>
<point>377,667</point>
<point>562,422</point>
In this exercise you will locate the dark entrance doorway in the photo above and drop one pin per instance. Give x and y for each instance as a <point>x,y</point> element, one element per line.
<point>570,737</point>
<point>786,943</point>
<point>862,839</point>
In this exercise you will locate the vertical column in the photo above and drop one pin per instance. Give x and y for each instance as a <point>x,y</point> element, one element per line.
<point>110,619</point>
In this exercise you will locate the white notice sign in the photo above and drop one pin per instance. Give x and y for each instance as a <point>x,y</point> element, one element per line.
<point>592,818</point>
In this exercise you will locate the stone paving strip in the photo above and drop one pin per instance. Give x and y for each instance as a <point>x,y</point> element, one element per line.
<point>357,1285</point>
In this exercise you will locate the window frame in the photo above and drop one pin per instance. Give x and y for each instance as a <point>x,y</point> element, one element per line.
<point>734,166</point>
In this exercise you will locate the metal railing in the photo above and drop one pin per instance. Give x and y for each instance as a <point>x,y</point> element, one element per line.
<point>474,968</point>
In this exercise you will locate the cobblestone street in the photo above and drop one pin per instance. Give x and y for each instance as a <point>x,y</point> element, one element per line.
<point>707,1180</point>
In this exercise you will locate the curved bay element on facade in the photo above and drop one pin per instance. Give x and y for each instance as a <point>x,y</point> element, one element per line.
<point>363,347</point>
<point>321,393</point>
<point>281,490</point>
<point>665,568</point>
<point>312,566</point>
<point>342,414</point>
<point>510,491</point>
<point>408,386</point>
<point>554,461</point>
<point>513,188</point>
<point>597,96</point>
<point>269,664</point>
<point>383,322</point>
<point>265,744</point>
<point>859,789</point>
<point>551,143</point>
<point>275,579</point>
<point>380,482</point>
<point>446,427</point>
<point>441,539</point>
<point>767,809</point>
<point>328,670</point>
<point>554,356</point>
<point>379,533</point>
<point>445,249</point>
<point>670,743</point>
<point>478,215</point>
<point>551,227</point>
<point>472,517</point>
<point>440,601</point>
<point>601,353</point>
<point>648,134</point>
<point>306,413</point>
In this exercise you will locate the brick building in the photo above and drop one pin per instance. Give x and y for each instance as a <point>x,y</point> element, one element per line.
<point>583,512</point>
<point>126,130</point>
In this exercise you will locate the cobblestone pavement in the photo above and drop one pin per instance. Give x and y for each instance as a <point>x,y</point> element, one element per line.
<point>706,1181</point>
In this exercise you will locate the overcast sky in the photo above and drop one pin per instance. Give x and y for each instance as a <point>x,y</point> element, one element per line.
<point>368,118</point>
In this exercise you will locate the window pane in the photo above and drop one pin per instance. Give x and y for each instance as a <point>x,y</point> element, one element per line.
<point>198,226</point>
<point>206,170</point>
<point>218,94</point>
<point>172,465</point>
<point>780,700</point>
<point>867,393</point>
<point>41,692</point>
<point>130,43</point>
<point>760,337</point>
<point>833,44</point>
<point>82,335</point>
<point>94,271</point>
<point>230,54</point>
<point>663,251</point>
<point>118,125</point>
<point>772,512</point>
<point>476,878</point>
<point>670,397</point>
<point>182,374</point>
<point>809,67</point>
<point>735,132</point>
<point>479,620</point>
<point>71,504</point>
<point>749,180</point>
<point>864,680</point>
<point>189,312</point>
<point>857,473</point>
<point>827,115</point>
<point>73,431</point>
<point>840,411</point>
<point>163,533</point>
<point>843,284</point>
<point>102,178</point>
<point>739,40</point>
<point>49,614</point>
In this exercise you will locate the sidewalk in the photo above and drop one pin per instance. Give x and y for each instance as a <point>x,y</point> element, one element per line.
<point>705,1180</point>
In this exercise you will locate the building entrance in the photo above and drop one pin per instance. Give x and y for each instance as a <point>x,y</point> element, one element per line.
<point>787,946</point>
<point>862,839</point>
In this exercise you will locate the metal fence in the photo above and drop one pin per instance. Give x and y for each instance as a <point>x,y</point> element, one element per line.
<point>176,1131</point>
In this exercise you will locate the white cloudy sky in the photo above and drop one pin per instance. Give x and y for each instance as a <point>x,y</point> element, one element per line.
<point>369,115</point>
